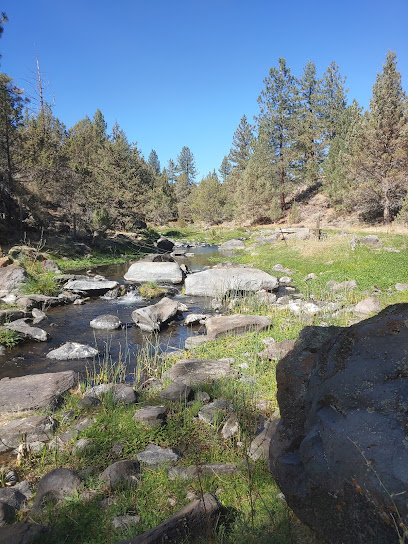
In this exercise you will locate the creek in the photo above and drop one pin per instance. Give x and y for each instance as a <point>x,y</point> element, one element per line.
<point>70,323</point>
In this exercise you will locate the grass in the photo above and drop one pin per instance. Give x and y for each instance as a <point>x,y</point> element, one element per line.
<point>256,514</point>
<point>39,280</point>
<point>151,290</point>
<point>8,338</point>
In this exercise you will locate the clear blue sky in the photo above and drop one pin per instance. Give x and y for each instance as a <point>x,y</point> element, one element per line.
<point>176,73</point>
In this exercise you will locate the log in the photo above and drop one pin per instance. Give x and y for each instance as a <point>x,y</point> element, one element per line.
<point>197,519</point>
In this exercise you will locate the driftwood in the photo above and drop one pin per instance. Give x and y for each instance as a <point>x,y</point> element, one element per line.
<point>196,520</point>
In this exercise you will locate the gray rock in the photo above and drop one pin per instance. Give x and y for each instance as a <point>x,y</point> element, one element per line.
<point>13,497</point>
<point>200,371</point>
<point>153,317</point>
<point>72,350</point>
<point>300,307</point>
<point>202,396</point>
<point>121,473</point>
<point>193,319</point>
<point>6,316</point>
<point>7,513</point>
<point>41,302</point>
<point>151,384</point>
<point>22,533</point>
<point>368,306</point>
<point>231,245</point>
<point>155,455</point>
<point>401,286</point>
<point>280,268</point>
<point>38,315</point>
<point>311,276</point>
<point>343,428</point>
<point>121,523</point>
<point>235,324</point>
<point>214,412</point>
<point>209,469</point>
<point>35,391</point>
<point>82,445</point>
<point>342,286</point>
<point>57,484</point>
<point>370,240</point>
<point>259,447</point>
<point>231,427</point>
<point>84,423</point>
<point>164,244</point>
<point>265,297</point>
<point>24,488</point>
<point>12,278</point>
<point>88,402</point>
<point>35,428</point>
<point>109,322</point>
<point>285,280</point>
<point>22,327</point>
<point>193,341</point>
<point>176,392</point>
<point>151,416</point>
<point>160,272</point>
<point>120,392</point>
<point>51,266</point>
<point>276,351</point>
<point>218,282</point>
<point>90,287</point>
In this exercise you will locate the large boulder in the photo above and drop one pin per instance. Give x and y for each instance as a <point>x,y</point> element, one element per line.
<point>164,245</point>
<point>35,391</point>
<point>161,272</point>
<point>231,245</point>
<point>11,279</point>
<point>152,318</point>
<point>235,324</point>
<point>223,281</point>
<point>339,454</point>
<point>57,484</point>
<point>10,314</point>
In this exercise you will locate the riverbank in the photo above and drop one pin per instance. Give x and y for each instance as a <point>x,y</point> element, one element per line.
<point>194,427</point>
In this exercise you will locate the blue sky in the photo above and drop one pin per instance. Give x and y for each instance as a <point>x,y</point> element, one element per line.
<point>178,73</point>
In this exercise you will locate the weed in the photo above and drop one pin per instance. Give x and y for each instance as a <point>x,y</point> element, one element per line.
<point>151,290</point>
<point>8,338</point>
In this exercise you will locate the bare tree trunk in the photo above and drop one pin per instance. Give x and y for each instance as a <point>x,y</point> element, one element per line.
<point>386,201</point>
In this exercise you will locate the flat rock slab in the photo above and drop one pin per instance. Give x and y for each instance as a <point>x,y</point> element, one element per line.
<point>106,322</point>
<point>160,272</point>
<point>235,324</point>
<point>368,306</point>
<point>200,371</point>
<point>186,473</point>
<point>41,302</point>
<point>277,350</point>
<point>194,341</point>
<point>259,447</point>
<point>90,287</point>
<point>155,455</point>
<point>72,350</point>
<point>231,245</point>
<point>218,282</point>
<point>200,517</point>
<point>152,318</point>
<point>35,391</point>
<point>35,429</point>
<point>27,331</point>
<point>120,392</point>
<point>401,286</point>
<point>215,411</point>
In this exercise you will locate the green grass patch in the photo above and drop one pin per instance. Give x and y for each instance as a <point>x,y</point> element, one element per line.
<point>8,338</point>
<point>151,290</point>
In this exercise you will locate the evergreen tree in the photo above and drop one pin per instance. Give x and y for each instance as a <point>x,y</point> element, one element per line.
<point>381,163</point>
<point>333,101</point>
<point>276,128</point>
<point>100,126</point>
<point>186,164</point>
<point>207,200</point>
<point>310,126</point>
<point>171,170</point>
<point>225,169</point>
<point>241,145</point>
<point>153,162</point>
<point>161,205</point>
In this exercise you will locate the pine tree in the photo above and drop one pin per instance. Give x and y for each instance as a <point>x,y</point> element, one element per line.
<point>186,164</point>
<point>276,127</point>
<point>381,163</point>
<point>241,145</point>
<point>100,126</point>
<point>171,170</point>
<point>153,162</point>
<point>333,101</point>
<point>310,126</point>
<point>225,169</point>
<point>207,200</point>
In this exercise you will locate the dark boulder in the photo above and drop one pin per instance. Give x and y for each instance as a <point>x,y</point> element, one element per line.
<point>164,245</point>
<point>340,452</point>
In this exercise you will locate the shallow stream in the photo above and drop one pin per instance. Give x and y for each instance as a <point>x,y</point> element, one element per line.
<point>70,323</point>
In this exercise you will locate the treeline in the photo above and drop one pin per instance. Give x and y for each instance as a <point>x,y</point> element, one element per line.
<point>305,135</point>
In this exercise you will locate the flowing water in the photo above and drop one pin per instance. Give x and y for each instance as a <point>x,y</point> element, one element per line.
<point>70,323</point>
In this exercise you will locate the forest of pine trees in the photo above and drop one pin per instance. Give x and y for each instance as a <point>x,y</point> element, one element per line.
<point>304,135</point>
